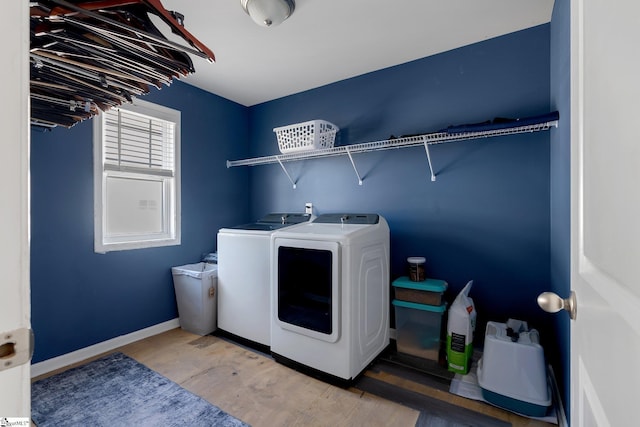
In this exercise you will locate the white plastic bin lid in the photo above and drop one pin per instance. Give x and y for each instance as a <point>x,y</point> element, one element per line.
<point>195,270</point>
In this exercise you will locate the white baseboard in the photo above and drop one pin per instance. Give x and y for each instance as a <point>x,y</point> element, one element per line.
<point>58,362</point>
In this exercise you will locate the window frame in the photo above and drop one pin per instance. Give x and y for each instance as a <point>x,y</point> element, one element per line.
<point>171,234</point>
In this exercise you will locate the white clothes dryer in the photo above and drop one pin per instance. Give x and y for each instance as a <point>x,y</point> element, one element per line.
<point>244,270</point>
<point>330,294</point>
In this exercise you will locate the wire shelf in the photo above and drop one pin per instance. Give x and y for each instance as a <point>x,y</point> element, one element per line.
<point>394,143</point>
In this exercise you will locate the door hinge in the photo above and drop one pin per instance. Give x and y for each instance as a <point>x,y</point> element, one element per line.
<point>16,348</point>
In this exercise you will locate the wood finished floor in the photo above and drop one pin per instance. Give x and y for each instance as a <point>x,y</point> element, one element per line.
<point>253,387</point>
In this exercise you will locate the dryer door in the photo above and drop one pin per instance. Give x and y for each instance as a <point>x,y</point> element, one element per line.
<point>307,287</point>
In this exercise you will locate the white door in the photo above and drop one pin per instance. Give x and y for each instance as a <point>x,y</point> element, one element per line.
<point>605,271</point>
<point>15,401</point>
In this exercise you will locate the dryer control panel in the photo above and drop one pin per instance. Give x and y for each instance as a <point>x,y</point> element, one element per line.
<point>347,218</point>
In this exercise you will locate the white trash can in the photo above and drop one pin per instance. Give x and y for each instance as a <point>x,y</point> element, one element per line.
<point>196,295</point>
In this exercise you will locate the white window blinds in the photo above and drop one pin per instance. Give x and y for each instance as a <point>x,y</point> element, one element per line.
<point>137,143</point>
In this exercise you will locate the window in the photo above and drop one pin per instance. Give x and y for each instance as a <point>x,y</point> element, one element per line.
<point>137,177</point>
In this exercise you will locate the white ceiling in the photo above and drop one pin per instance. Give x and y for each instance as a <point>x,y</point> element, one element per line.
<point>325,41</point>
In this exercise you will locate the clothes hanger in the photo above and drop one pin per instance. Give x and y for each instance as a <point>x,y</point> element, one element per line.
<point>153,6</point>
<point>89,56</point>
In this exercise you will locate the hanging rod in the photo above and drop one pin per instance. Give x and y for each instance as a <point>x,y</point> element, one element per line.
<point>387,144</point>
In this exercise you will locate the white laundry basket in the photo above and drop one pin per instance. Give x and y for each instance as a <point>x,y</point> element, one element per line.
<point>305,136</point>
<point>196,295</point>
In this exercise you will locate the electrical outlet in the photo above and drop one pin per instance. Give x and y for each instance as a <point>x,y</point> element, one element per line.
<point>308,208</point>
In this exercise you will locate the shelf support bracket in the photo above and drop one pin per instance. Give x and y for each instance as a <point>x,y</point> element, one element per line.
<point>354,166</point>
<point>426,149</point>
<point>285,172</point>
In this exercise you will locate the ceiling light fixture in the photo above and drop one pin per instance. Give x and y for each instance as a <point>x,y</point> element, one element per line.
<point>268,13</point>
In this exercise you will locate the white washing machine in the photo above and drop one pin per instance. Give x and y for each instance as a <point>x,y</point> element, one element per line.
<point>330,294</point>
<point>244,270</point>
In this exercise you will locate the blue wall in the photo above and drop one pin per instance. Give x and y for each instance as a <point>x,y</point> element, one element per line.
<point>486,217</point>
<point>561,188</point>
<point>80,298</point>
<point>497,214</point>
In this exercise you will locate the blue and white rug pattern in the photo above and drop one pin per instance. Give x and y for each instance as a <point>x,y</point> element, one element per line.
<point>118,391</point>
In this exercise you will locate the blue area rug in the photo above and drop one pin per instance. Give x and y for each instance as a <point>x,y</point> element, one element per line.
<point>118,391</point>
